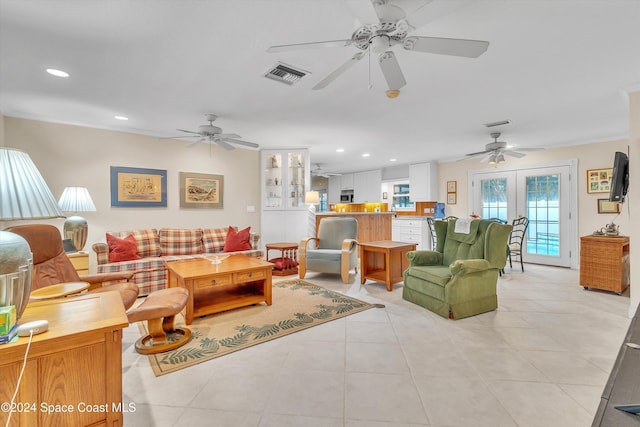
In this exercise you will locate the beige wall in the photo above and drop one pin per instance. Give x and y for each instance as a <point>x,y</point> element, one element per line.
<point>79,156</point>
<point>588,156</point>
<point>634,167</point>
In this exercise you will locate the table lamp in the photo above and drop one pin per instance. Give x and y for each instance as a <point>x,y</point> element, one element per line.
<point>76,199</point>
<point>312,198</point>
<point>23,195</point>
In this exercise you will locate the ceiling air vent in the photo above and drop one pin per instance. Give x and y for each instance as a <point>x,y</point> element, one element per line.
<point>500,123</point>
<point>285,74</point>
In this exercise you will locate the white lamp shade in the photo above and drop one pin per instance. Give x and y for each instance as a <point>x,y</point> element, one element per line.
<point>312,197</point>
<point>76,199</point>
<point>23,192</point>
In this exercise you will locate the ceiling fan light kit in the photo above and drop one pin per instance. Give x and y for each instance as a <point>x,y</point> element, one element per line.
<point>391,28</point>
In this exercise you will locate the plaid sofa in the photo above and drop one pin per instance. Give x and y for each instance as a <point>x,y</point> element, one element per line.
<point>167,244</point>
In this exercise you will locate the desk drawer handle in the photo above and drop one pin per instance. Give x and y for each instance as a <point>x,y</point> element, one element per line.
<point>249,274</point>
<point>213,282</point>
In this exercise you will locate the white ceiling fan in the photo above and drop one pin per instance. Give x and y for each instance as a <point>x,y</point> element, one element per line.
<point>495,151</point>
<point>213,135</point>
<point>384,25</point>
<point>318,171</point>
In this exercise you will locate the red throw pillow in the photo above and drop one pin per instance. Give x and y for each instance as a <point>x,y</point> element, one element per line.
<point>122,249</point>
<point>237,240</point>
<point>282,263</point>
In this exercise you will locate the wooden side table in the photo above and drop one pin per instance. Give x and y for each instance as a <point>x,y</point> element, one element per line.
<point>287,263</point>
<point>384,261</point>
<point>80,261</point>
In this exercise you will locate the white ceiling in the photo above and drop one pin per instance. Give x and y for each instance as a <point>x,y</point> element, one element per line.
<point>558,69</point>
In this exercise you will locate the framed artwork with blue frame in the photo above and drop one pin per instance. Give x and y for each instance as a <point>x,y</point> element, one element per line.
<point>140,188</point>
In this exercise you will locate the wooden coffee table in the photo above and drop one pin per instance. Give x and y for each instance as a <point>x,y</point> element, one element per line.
<point>237,281</point>
<point>384,261</point>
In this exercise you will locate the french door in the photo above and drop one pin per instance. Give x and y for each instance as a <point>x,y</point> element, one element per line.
<point>546,195</point>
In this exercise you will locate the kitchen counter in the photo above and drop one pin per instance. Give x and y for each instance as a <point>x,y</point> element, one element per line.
<point>372,226</point>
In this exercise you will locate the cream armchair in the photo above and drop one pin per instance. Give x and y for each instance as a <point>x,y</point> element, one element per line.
<point>334,251</point>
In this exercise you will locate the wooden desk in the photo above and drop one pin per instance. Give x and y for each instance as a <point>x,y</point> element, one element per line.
<point>384,261</point>
<point>76,364</point>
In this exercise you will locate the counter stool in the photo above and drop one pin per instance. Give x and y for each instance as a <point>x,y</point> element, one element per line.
<point>159,310</point>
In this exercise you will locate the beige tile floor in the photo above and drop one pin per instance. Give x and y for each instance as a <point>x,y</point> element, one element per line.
<point>541,359</point>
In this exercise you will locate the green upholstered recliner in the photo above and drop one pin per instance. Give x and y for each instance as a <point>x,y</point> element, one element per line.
<point>459,278</point>
<point>335,249</point>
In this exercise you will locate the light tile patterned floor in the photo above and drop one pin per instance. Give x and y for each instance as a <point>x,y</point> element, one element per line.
<point>541,359</point>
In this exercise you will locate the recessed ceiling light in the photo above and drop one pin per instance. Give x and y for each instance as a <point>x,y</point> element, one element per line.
<point>365,154</point>
<point>57,73</point>
<point>339,150</point>
<point>393,160</point>
<point>121,117</point>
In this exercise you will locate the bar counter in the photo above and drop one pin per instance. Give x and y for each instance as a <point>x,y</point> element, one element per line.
<point>372,226</point>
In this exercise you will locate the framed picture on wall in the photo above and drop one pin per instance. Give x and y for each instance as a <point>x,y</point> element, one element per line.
<point>136,187</point>
<point>599,180</point>
<point>201,190</point>
<point>607,207</point>
<point>452,186</point>
<point>451,198</point>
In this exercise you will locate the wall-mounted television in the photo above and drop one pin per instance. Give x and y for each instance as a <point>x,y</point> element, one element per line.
<point>619,177</point>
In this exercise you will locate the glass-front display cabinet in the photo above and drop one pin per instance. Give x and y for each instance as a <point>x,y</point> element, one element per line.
<point>285,178</point>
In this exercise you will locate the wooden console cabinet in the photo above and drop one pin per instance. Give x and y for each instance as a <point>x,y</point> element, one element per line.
<point>73,374</point>
<point>604,263</point>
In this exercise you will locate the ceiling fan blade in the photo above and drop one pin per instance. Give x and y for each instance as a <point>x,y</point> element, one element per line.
<point>341,69</point>
<point>513,153</point>
<point>433,10</point>
<point>312,45</point>
<point>179,136</point>
<point>240,142</point>
<point>478,153</point>
<point>188,131</point>
<point>363,11</point>
<point>195,143</point>
<point>228,135</point>
<point>442,46</point>
<point>391,70</point>
<point>224,144</point>
<point>529,149</point>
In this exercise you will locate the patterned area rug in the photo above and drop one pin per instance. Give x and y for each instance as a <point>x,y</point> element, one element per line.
<point>297,305</point>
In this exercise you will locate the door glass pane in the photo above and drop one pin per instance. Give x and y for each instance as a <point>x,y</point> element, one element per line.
<point>273,184</point>
<point>494,198</point>
<point>543,211</point>
<point>296,180</point>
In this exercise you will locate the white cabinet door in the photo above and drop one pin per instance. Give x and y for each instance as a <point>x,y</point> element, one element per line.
<point>346,181</point>
<point>366,186</point>
<point>284,226</point>
<point>334,189</point>
<point>423,179</point>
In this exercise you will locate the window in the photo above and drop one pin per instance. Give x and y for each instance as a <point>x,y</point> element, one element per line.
<point>401,196</point>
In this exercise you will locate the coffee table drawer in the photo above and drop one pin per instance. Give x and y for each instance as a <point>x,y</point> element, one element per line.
<point>207,282</point>
<point>248,276</point>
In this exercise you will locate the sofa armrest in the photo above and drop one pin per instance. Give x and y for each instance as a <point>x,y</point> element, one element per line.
<point>417,258</point>
<point>254,240</point>
<point>102,252</point>
<point>469,266</point>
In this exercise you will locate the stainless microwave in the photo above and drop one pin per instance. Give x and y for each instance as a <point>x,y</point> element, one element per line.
<point>346,198</point>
